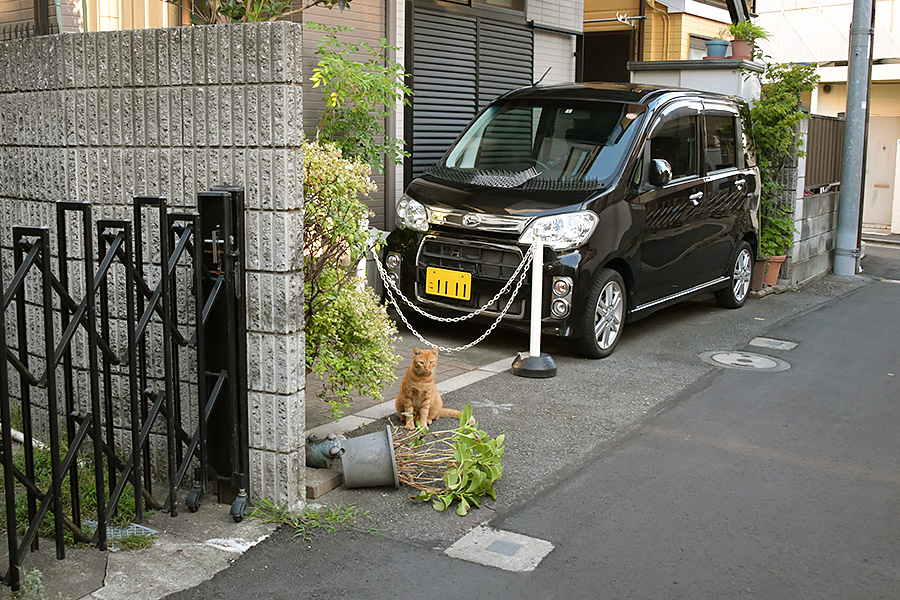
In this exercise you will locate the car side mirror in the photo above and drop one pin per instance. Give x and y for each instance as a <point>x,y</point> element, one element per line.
<point>660,172</point>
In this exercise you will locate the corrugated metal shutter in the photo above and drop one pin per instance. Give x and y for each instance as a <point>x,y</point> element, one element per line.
<point>505,58</point>
<point>460,63</point>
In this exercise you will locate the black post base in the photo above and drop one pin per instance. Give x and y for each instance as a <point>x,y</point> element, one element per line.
<point>537,367</point>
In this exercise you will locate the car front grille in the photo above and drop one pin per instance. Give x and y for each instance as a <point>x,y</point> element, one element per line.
<point>491,266</point>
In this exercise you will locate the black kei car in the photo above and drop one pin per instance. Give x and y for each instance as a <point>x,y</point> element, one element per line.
<point>643,196</point>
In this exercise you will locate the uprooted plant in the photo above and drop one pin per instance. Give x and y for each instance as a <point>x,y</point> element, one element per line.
<point>460,464</point>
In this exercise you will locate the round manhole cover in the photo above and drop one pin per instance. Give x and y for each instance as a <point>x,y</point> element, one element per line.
<point>747,361</point>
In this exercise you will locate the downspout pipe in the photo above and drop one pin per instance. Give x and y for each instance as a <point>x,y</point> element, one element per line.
<point>390,123</point>
<point>846,252</point>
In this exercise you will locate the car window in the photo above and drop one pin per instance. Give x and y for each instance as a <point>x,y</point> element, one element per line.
<point>720,142</point>
<point>675,141</point>
<point>556,140</point>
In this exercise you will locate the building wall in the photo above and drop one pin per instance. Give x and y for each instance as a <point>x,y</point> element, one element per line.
<point>555,50</point>
<point>101,117</point>
<point>20,12</point>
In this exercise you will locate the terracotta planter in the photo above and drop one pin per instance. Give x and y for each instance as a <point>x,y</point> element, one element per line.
<point>773,268</point>
<point>741,49</point>
<point>756,275</point>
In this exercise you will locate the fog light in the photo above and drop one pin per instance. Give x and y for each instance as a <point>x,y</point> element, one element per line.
<point>392,261</point>
<point>559,308</point>
<point>562,286</point>
<point>393,279</point>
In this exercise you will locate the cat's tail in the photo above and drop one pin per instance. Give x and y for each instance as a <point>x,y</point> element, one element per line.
<point>449,412</point>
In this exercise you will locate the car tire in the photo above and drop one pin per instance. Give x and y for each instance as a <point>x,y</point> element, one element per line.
<point>739,269</point>
<point>604,315</point>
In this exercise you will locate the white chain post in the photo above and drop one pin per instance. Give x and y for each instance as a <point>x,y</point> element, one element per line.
<point>534,363</point>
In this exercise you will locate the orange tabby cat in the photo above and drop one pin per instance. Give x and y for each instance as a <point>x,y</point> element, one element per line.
<point>419,400</point>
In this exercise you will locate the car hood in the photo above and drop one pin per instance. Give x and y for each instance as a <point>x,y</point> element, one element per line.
<point>436,193</point>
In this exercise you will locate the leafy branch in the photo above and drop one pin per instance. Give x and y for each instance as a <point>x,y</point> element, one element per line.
<point>459,464</point>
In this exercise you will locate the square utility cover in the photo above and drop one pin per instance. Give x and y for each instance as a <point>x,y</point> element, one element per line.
<point>502,549</point>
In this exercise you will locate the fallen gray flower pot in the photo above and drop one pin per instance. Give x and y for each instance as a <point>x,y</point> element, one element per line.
<point>369,461</point>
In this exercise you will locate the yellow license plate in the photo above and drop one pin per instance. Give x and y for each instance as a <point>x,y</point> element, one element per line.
<point>450,284</point>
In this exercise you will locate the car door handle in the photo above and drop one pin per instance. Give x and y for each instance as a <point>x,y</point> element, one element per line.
<point>695,198</point>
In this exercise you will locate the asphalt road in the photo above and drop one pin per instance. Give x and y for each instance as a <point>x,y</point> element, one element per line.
<point>656,475</point>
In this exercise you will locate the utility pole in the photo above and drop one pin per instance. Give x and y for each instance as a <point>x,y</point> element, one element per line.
<point>846,252</point>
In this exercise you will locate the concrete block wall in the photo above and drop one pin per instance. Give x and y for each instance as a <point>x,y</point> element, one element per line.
<point>812,256</point>
<point>101,117</point>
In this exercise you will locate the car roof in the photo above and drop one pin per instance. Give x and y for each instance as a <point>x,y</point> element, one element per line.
<point>632,93</point>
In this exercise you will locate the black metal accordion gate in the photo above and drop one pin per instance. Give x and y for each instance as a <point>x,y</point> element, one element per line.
<point>128,337</point>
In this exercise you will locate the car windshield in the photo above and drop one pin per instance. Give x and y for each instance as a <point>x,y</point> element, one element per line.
<point>545,140</point>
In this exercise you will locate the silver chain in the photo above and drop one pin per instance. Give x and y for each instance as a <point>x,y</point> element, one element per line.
<point>390,288</point>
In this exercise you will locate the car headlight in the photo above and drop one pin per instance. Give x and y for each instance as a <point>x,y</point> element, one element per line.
<point>561,232</point>
<point>411,214</point>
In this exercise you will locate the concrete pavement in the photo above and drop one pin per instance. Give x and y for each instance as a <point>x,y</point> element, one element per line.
<point>555,430</point>
<point>655,475</point>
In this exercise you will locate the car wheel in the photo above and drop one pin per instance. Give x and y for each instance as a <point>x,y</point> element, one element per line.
<point>604,315</point>
<point>738,288</point>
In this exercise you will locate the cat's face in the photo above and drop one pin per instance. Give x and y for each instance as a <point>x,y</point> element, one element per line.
<point>424,361</point>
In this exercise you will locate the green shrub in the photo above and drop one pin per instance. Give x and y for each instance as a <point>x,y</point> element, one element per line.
<point>349,334</point>
<point>776,119</point>
<point>361,87</point>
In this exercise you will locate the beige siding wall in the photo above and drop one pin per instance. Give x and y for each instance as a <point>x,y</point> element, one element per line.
<point>556,52</point>
<point>562,14</point>
<point>367,19</point>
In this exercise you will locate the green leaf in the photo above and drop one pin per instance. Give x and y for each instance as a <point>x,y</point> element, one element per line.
<point>463,507</point>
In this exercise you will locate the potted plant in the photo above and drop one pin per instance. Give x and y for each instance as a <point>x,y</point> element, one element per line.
<point>776,237</point>
<point>458,464</point>
<point>743,38</point>
<point>716,48</point>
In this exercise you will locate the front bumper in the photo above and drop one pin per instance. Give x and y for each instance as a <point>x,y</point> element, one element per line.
<point>491,263</point>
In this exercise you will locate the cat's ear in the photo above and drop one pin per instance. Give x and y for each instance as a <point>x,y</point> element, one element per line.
<point>434,350</point>
<point>416,351</point>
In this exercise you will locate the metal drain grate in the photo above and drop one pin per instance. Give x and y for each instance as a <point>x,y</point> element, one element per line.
<point>746,361</point>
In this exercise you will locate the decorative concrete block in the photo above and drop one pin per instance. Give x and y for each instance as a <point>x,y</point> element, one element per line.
<point>264,52</point>
<point>238,113</point>
<point>195,59</point>
<point>280,51</point>
<point>266,174</point>
<point>212,117</point>
<point>251,53</point>
<point>225,117</point>
<point>81,117</point>
<point>210,54</point>
<point>294,116</point>
<point>92,116</point>
<point>277,477</point>
<point>199,116</point>
<point>151,113</point>
<point>265,115</point>
<point>128,117</point>
<point>79,61</point>
<point>276,422</point>
<point>91,59</point>
<point>252,115</point>
<point>139,64</point>
<point>236,58</point>
<point>223,55</point>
